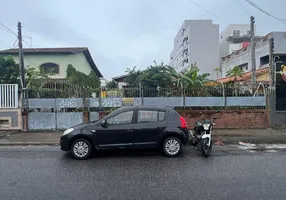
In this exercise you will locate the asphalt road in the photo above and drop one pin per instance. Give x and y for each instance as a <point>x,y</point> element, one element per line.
<point>47,173</point>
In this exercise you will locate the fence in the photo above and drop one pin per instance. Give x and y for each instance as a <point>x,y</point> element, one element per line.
<point>8,96</point>
<point>60,106</point>
<point>54,114</point>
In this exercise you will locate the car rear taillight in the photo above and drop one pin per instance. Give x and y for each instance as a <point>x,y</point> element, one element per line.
<point>183,122</point>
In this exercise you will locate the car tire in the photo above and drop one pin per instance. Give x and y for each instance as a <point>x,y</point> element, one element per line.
<point>172,147</point>
<point>81,149</point>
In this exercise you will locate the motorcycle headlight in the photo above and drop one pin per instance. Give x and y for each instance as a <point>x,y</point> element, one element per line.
<point>206,126</point>
<point>68,131</point>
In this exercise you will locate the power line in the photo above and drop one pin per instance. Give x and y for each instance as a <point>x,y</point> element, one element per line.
<point>265,12</point>
<point>209,12</point>
<point>30,45</point>
<point>15,44</point>
<point>8,29</point>
<point>31,40</point>
<point>4,44</point>
<point>243,8</point>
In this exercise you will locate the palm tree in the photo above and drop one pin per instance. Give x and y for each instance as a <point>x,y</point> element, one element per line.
<point>195,80</point>
<point>177,78</point>
<point>217,70</point>
<point>188,79</point>
<point>235,72</point>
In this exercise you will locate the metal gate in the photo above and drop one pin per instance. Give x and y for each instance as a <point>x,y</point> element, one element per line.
<point>8,96</point>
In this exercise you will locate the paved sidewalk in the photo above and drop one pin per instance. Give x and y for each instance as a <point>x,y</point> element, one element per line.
<point>227,136</point>
<point>255,136</point>
<point>30,138</point>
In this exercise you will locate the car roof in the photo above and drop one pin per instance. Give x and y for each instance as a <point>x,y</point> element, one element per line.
<point>145,107</point>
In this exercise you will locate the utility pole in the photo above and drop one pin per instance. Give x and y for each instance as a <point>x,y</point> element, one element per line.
<point>22,80</point>
<point>271,63</point>
<point>21,58</point>
<point>252,47</point>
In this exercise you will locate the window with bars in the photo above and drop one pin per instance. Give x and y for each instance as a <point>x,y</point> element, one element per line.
<point>50,68</point>
<point>236,33</point>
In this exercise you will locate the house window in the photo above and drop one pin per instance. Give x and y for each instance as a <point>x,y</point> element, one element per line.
<point>50,68</point>
<point>264,60</point>
<point>236,33</point>
<point>244,66</point>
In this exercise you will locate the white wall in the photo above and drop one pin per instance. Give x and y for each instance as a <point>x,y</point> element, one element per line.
<point>229,30</point>
<point>203,46</point>
<point>261,50</point>
<point>121,84</point>
<point>234,47</point>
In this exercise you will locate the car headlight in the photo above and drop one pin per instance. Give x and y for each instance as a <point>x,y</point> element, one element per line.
<point>206,126</point>
<point>68,131</point>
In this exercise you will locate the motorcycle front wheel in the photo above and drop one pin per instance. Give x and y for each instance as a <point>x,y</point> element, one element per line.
<point>205,148</point>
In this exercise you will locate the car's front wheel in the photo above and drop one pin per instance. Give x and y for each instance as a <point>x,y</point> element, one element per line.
<point>81,149</point>
<point>172,146</point>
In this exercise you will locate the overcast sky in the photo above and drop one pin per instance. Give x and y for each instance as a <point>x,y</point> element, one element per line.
<point>124,33</point>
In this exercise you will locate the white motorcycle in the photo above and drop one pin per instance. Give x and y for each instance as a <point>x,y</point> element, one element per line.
<point>202,136</point>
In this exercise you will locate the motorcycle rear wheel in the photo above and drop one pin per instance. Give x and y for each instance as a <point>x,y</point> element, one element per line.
<point>205,149</point>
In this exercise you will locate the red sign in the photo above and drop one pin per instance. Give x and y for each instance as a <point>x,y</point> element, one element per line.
<point>245,44</point>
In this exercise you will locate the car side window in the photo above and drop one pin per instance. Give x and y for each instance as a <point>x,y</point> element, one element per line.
<point>146,116</point>
<point>121,118</point>
<point>161,116</point>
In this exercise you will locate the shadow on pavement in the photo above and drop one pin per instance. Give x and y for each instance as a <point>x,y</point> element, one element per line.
<point>135,153</point>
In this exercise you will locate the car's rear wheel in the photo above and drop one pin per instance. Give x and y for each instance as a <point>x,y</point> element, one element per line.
<point>81,149</point>
<point>172,146</point>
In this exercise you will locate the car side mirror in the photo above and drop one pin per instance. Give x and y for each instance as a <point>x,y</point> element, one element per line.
<point>103,123</point>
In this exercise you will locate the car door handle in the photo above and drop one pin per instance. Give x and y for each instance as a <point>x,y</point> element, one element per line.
<point>131,130</point>
<point>93,131</point>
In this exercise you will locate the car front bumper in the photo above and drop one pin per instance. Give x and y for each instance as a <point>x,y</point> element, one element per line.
<point>65,143</point>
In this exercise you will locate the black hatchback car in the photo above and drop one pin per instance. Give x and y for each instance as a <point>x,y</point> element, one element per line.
<point>129,127</point>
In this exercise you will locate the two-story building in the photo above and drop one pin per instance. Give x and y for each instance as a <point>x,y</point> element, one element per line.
<point>56,60</point>
<point>242,57</point>
<point>53,61</point>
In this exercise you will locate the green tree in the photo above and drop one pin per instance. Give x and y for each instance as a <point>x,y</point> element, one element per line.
<point>156,76</point>
<point>190,79</point>
<point>194,78</point>
<point>81,79</point>
<point>133,78</point>
<point>9,70</point>
<point>235,72</point>
<point>111,85</point>
<point>93,80</point>
<point>164,76</point>
<point>34,78</point>
<point>217,70</point>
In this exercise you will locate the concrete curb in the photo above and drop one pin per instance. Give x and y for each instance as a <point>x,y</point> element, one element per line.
<point>29,143</point>
<point>253,140</point>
